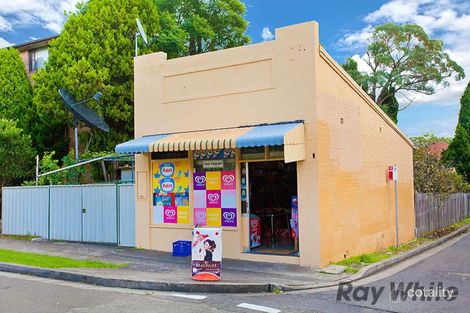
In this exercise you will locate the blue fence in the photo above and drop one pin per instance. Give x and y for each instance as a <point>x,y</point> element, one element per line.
<point>103,213</point>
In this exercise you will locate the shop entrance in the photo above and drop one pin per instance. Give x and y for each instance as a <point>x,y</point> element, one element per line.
<point>272,194</point>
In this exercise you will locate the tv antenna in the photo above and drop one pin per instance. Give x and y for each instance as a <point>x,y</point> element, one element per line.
<point>140,33</point>
<point>81,112</point>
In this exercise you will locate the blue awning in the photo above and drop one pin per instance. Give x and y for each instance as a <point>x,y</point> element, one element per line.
<point>139,145</point>
<point>289,134</point>
<point>266,135</point>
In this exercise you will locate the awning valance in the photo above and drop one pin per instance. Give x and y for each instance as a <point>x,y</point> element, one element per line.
<point>289,134</point>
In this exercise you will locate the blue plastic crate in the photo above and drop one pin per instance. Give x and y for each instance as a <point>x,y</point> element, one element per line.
<point>181,248</point>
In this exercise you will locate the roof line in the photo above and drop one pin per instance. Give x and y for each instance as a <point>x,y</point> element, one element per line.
<point>32,42</point>
<point>342,73</point>
<point>223,128</point>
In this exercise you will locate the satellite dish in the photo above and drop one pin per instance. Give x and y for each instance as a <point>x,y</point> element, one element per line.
<point>141,31</point>
<point>81,112</point>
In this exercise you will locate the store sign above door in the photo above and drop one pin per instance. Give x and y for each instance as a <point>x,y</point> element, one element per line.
<point>213,164</point>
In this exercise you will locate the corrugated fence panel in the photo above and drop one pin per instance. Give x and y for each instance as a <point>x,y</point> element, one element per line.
<point>90,213</point>
<point>126,215</point>
<point>99,215</point>
<point>66,213</point>
<point>25,210</point>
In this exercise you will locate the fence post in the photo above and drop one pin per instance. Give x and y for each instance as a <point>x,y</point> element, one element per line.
<point>49,212</point>
<point>118,215</point>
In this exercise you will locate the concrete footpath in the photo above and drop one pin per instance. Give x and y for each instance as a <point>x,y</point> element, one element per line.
<point>155,270</point>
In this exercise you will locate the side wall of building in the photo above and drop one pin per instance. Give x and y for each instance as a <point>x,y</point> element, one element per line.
<point>356,144</point>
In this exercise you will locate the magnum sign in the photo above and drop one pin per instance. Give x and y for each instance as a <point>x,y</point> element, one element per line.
<point>206,254</point>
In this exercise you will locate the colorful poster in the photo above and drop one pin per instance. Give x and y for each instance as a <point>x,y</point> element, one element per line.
<point>229,217</point>
<point>294,217</point>
<point>170,184</point>
<point>183,215</point>
<point>213,217</point>
<point>228,180</point>
<point>255,231</point>
<point>200,216</point>
<point>170,214</point>
<point>213,180</point>
<point>206,254</point>
<point>199,180</point>
<point>215,196</point>
<point>213,199</point>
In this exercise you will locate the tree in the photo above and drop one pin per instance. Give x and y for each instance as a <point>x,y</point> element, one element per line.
<point>15,92</point>
<point>458,153</point>
<point>403,59</point>
<point>210,25</point>
<point>16,153</point>
<point>432,175</point>
<point>94,53</point>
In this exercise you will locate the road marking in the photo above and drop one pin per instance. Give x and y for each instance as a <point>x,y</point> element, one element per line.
<point>258,308</point>
<point>194,297</point>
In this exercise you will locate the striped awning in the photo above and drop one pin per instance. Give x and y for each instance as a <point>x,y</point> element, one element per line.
<point>289,134</point>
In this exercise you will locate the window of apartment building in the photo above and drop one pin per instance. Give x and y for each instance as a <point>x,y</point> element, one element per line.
<point>37,58</point>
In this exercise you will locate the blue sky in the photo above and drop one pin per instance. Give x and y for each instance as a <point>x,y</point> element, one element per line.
<point>345,27</point>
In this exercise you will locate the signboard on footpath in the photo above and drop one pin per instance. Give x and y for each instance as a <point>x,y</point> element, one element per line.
<point>206,254</point>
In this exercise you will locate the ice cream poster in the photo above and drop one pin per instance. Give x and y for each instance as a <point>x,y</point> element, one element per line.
<point>215,198</point>
<point>170,185</point>
<point>206,254</point>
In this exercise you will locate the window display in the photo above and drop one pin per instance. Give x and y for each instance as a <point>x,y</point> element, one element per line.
<point>170,185</point>
<point>214,182</point>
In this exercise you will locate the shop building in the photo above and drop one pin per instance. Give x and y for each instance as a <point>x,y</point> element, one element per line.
<point>274,143</point>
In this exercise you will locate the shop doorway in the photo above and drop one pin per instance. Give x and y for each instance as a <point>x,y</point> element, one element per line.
<point>272,187</point>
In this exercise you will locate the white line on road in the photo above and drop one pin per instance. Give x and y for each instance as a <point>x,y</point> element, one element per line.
<point>194,297</point>
<point>258,308</point>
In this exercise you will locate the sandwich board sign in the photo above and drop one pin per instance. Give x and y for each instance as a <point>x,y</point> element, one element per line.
<point>206,254</point>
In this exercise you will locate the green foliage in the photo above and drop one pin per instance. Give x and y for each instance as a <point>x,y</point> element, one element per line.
<point>432,175</point>
<point>48,163</point>
<point>402,58</point>
<point>94,53</point>
<point>15,91</point>
<point>16,154</point>
<point>458,153</point>
<point>208,25</point>
<point>359,77</point>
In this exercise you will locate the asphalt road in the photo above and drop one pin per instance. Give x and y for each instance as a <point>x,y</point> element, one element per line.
<point>449,266</point>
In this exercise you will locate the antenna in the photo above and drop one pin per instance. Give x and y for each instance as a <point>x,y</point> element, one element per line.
<point>141,33</point>
<point>81,112</point>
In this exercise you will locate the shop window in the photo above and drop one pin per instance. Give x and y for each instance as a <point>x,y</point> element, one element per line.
<point>214,183</point>
<point>170,186</point>
<point>276,152</point>
<point>253,153</point>
<point>262,153</point>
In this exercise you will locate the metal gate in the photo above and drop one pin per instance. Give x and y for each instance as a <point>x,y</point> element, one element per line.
<point>87,213</point>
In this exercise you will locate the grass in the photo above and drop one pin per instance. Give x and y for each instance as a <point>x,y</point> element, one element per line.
<point>448,229</point>
<point>49,261</point>
<point>355,263</point>
<point>18,237</point>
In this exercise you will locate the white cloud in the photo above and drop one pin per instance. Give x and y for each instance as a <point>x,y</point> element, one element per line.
<point>48,14</point>
<point>4,43</point>
<point>447,20</point>
<point>266,34</point>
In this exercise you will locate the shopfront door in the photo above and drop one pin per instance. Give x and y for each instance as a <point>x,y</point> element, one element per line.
<point>269,198</point>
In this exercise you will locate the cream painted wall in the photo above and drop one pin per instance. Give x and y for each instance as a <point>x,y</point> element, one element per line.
<point>356,144</point>
<point>263,83</point>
